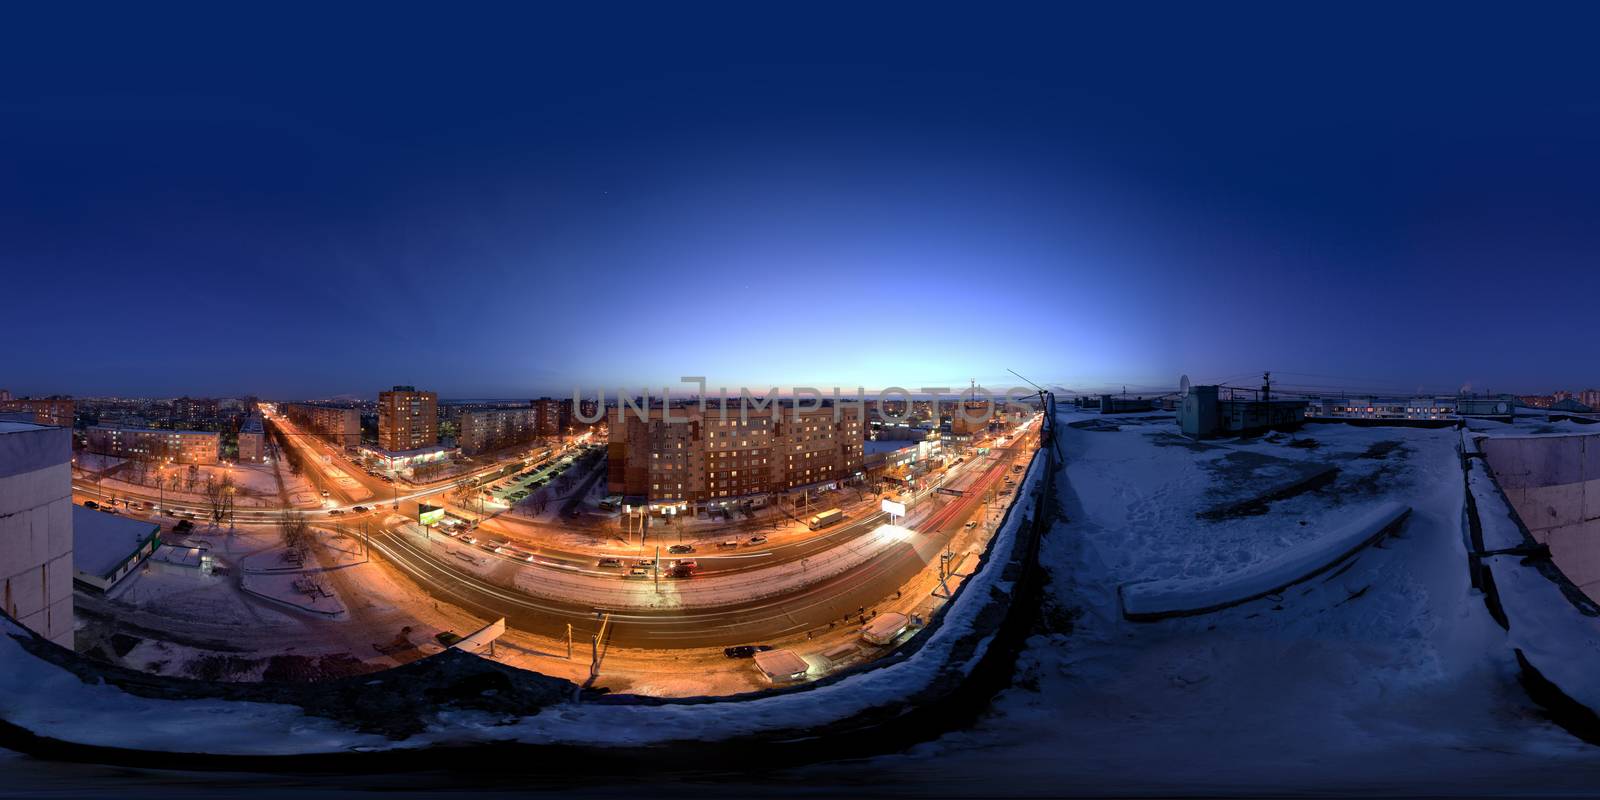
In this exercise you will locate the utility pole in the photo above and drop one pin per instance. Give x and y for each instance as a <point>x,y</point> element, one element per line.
<point>569,641</point>
<point>656,570</point>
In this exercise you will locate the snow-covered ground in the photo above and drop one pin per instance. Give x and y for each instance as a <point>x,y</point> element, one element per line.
<point>1383,675</point>
<point>1388,676</point>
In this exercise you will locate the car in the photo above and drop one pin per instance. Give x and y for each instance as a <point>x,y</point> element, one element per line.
<point>188,515</point>
<point>447,638</point>
<point>109,510</point>
<point>610,563</point>
<point>969,526</point>
<point>729,544</point>
<point>679,549</point>
<point>646,563</point>
<point>638,572</point>
<point>758,539</point>
<point>90,504</point>
<point>469,539</point>
<point>334,512</point>
<point>359,509</point>
<point>745,650</point>
<point>325,493</point>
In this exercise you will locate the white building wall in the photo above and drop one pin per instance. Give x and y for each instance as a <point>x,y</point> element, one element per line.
<point>36,530</point>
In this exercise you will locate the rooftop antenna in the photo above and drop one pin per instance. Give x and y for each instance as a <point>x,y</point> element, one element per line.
<point>1047,404</point>
<point>1183,386</point>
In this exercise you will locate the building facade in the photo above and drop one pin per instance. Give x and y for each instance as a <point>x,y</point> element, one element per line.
<point>407,419</point>
<point>553,418</point>
<point>148,444</point>
<point>36,565</point>
<point>252,441</point>
<point>692,459</point>
<point>341,426</point>
<point>482,431</point>
<point>57,411</point>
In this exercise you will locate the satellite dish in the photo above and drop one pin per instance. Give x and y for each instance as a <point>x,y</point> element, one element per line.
<point>1183,386</point>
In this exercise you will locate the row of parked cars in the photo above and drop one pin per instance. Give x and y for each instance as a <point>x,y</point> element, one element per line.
<point>729,544</point>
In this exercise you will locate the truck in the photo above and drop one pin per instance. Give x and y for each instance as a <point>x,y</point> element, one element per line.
<point>825,519</point>
<point>885,628</point>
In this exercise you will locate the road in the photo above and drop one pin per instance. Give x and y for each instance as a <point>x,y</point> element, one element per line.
<point>838,600</point>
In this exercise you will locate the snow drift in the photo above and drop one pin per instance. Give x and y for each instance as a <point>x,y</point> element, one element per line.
<point>1179,597</point>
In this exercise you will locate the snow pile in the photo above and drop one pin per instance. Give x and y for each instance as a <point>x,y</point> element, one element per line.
<point>1183,597</point>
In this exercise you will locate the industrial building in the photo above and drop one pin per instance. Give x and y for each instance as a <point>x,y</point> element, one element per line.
<point>150,444</point>
<point>36,528</point>
<point>1501,408</point>
<point>1204,413</point>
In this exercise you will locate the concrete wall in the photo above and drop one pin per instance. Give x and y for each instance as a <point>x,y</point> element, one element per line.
<point>36,529</point>
<point>1553,483</point>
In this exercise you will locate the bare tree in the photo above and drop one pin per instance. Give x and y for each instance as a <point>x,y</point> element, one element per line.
<point>293,529</point>
<point>219,498</point>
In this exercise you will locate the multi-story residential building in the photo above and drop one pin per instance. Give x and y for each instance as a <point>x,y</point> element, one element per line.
<point>57,411</point>
<point>252,441</point>
<point>341,426</point>
<point>147,444</point>
<point>1590,397</point>
<point>552,419</point>
<point>407,419</point>
<point>697,459</point>
<point>482,431</point>
<point>36,557</point>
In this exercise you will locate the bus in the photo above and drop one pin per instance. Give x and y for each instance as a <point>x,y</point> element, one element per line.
<point>825,519</point>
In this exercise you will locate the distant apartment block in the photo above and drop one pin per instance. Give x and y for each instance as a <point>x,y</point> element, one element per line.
<point>697,459</point>
<point>36,566</point>
<point>482,431</point>
<point>407,419</point>
<point>552,417</point>
<point>252,441</point>
<point>148,444</point>
<point>341,426</point>
<point>58,411</point>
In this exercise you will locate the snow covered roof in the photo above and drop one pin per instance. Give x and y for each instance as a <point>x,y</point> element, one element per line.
<point>101,542</point>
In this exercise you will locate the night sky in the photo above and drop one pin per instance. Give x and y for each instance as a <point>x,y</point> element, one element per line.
<point>501,203</point>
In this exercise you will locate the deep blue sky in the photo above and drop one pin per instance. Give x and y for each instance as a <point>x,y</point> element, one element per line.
<point>504,202</point>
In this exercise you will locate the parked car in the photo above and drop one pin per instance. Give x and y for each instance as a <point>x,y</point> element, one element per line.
<point>359,509</point>
<point>745,650</point>
<point>610,563</point>
<point>679,549</point>
<point>447,638</point>
<point>970,525</point>
<point>90,504</point>
<point>469,539</point>
<point>335,512</point>
<point>758,539</point>
<point>638,572</point>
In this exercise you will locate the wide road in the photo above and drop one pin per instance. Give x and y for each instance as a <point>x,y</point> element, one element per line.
<point>838,599</point>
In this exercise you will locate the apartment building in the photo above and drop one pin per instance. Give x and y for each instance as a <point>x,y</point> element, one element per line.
<point>149,444</point>
<point>407,419</point>
<point>554,418</point>
<point>57,411</point>
<point>698,459</point>
<point>341,426</point>
<point>252,441</point>
<point>492,429</point>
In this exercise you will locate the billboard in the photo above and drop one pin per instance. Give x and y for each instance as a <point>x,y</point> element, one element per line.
<point>429,515</point>
<point>894,508</point>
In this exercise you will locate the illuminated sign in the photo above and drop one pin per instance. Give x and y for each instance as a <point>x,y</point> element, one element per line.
<point>429,515</point>
<point>894,508</point>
